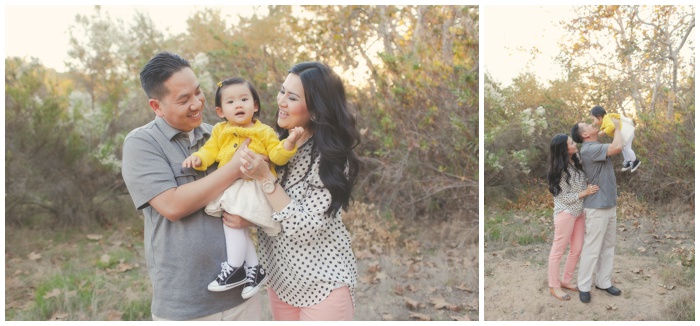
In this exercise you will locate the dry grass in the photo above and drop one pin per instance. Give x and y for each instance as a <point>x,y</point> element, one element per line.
<point>424,270</point>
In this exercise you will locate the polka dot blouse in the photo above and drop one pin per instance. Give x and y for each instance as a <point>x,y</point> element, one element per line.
<point>312,255</point>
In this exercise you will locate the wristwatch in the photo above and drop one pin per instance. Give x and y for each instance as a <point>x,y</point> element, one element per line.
<point>268,186</point>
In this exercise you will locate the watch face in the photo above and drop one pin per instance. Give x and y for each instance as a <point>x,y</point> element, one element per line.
<point>268,187</point>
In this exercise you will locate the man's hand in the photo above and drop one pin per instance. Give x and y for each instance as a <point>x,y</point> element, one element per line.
<point>615,122</point>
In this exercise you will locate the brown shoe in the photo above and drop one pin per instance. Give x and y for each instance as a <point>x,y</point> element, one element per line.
<point>564,297</point>
<point>569,287</point>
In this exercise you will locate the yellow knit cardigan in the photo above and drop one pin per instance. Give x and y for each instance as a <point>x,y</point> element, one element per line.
<point>225,140</point>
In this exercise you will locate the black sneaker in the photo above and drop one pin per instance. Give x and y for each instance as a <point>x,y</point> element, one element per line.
<point>229,278</point>
<point>635,165</point>
<point>255,280</point>
<point>626,166</point>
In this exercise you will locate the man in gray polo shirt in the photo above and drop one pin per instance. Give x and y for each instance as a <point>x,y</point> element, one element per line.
<point>183,245</point>
<point>601,219</point>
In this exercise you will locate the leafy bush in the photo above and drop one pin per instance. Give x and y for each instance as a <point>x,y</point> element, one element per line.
<point>52,169</point>
<point>517,147</point>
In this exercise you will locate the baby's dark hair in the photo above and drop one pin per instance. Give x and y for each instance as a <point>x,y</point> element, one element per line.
<point>598,112</point>
<point>237,81</point>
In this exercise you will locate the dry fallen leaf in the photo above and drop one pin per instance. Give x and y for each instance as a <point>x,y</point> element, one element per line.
<point>460,318</point>
<point>474,305</point>
<point>364,254</point>
<point>114,315</point>
<point>387,317</point>
<point>105,259</point>
<point>374,267</point>
<point>642,249</point>
<point>398,290</point>
<point>59,316</point>
<point>417,316</point>
<point>369,279</point>
<point>411,304</point>
<point>611,307</point>
<point>376,250</point>
<point>13,305</point>
<point>34,256</point>
<point>53,293</point>
<point>464,287</point>
<point>440,303</point>
<point>94,237</point>
<point>123,267</point>
<point>415,268</point>
<point>411,288</point>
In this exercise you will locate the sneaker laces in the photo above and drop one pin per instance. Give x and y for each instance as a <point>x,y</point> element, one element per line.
<point>250,273</point>
<point>225,270</point>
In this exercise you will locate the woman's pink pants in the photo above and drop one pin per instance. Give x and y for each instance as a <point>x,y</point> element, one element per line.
<point>568,230</point>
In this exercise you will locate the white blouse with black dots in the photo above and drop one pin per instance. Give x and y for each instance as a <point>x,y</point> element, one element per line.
<point>312,255</point>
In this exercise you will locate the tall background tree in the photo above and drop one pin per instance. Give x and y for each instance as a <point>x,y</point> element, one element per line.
<point>632,60</point>
<point>411,73</point>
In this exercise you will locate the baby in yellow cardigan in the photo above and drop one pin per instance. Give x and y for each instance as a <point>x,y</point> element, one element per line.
<point>603,119</point>
<point>238,103</point>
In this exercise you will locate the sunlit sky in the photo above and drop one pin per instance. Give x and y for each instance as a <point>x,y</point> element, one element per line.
<point>510,32</point>
<point>42,31</point>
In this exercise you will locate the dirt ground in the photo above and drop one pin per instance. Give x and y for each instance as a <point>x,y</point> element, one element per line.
<point>648,269</point>
<point>432,275</point>
<point>428,270</point>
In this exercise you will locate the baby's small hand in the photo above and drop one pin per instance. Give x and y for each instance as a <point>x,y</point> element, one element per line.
<point>192,161</point>
<point>295,134</point>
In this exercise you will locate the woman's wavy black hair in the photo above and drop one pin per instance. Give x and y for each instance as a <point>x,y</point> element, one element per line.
<point>334,132</point>
<point>559,163</point>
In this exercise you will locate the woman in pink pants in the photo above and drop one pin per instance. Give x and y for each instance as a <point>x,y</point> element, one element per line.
<point>567,182</point>
<point>312,270</point>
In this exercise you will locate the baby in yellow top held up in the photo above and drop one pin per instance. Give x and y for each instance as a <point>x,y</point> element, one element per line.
<point>237,102</point>
<point>603,119</point>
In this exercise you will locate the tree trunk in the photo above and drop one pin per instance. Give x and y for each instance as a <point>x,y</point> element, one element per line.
<point>385,30</point>
<point>418,30</point>
<point>447,39</point>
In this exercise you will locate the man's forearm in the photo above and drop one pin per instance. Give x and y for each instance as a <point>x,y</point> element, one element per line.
<point>176,203</point>
<point>616,145</point>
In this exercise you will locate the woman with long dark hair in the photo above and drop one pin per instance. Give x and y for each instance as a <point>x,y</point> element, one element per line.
<point>567,183</point>
<point>312,270</point>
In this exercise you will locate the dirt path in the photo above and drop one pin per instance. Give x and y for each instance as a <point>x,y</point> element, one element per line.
<point>654,283</point>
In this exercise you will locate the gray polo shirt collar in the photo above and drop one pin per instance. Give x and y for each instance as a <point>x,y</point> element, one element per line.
<point>171,132</point>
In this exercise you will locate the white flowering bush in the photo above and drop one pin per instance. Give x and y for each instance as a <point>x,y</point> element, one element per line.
<point>493,97</point>
<point>513,137</point>
<point>200,63</point>
<point>491,161</point>
<point>522,157</point>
